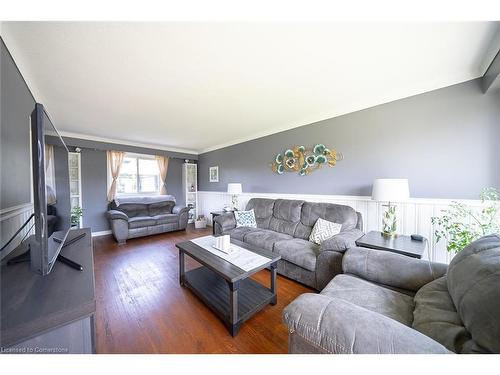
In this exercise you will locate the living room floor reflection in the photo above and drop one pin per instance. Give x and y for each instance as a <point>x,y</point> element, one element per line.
<point>141,308</point>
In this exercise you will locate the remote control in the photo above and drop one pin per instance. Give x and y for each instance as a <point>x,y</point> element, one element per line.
<point>417,237</point>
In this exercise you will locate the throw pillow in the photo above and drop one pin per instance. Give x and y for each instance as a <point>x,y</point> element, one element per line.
<point>323,230</point>
<point>245,219</point>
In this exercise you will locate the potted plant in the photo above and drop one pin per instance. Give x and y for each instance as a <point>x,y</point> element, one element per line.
<point>200,222</point>
<point>460,224</point>
<point>76,214</point>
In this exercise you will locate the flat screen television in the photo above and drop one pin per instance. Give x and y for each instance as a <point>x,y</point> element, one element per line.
<point>51,187</point>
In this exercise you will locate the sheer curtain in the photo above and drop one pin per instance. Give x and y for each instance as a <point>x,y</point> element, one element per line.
<point>115,160</point>
<point>50,175</point>
<point>163,167</point>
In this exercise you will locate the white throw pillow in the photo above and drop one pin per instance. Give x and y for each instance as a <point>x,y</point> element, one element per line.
<point>323,230</point>
<point>245,219</point>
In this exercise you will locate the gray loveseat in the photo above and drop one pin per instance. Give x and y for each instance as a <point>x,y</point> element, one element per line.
<point>132,217</point>
<point>284,226</point>
<point>389,303</point>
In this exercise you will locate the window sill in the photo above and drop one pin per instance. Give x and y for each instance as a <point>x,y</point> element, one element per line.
<point>123,195</point>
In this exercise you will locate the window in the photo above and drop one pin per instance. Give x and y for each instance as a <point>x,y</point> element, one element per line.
<point>139,174</point>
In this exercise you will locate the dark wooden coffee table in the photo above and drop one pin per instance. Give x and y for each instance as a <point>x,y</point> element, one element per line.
<point>225,288</point>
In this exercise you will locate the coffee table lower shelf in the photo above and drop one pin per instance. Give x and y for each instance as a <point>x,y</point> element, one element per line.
<point>242,299</point>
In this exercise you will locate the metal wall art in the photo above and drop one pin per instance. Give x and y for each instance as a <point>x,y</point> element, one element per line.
<point>302,160</point>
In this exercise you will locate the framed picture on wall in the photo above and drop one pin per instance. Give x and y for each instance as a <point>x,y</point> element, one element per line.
<point>213,174</point>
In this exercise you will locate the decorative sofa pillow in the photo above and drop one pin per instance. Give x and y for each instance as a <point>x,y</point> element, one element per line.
<point>245,219</point>
<point>323,230</point>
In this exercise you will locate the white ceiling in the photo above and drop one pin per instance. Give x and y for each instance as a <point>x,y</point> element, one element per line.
<point>199,86</point>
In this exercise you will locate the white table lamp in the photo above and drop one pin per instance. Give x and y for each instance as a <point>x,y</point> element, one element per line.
<point>234,189</point>
<point>390,190</point>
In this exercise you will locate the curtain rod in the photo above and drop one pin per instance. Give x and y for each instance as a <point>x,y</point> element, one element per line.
<point>79,148</point>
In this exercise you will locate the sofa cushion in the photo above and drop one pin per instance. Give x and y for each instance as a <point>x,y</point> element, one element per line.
<point>134,209</point>
<point>161,208</point>
<point>240,232</point>
<point>263,210</point>
<point>323,230</point>
<point>265,238</point>
<point>141,221</point>
<point>473,281</point>
<point>245,218</point>
<point>142,199</point>
<point>286,216</point>
<point>336,213</point>
<point>335,325</point>
<point>166,219</point>
<point>435,316</point>
<point>393,304</point>
<point>299,252</point>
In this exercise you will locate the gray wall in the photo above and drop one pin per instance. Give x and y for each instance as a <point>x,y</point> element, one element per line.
<point>445,142</point>
<point>16,105</point>
<point>94,177</point>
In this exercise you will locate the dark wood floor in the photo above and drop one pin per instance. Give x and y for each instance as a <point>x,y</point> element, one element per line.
<point>142,309</point>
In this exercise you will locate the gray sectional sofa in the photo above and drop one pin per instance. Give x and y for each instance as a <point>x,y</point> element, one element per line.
<point>390,303</point>
<point>284,226</point>
<point>132,217</point>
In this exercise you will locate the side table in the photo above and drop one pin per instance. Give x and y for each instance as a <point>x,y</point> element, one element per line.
<point>400,244</point>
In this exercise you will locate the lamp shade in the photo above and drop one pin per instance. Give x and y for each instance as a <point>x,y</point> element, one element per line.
<point>234,188</point>
<point>390,190</point>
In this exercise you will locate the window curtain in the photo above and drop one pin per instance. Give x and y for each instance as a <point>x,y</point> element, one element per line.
<point>115,160</point>
<point>50,175</point>
<point>163,167</point>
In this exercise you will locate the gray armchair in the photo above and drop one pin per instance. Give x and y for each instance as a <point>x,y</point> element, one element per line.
<point>389,303</point>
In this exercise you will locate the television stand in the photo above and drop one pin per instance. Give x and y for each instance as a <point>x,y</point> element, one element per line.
<point>24,257</point>
<point>50,312</point>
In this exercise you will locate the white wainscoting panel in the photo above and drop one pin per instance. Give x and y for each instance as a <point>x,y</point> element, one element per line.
<point>414,216</point>
<point>10,221</point>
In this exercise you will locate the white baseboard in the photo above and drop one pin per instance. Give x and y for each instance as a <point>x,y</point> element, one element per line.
<point>101,233</point>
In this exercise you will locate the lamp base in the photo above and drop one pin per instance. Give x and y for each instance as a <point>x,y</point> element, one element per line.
<point>389,223</point>
<point>389,234</point>
<point>234,202</point>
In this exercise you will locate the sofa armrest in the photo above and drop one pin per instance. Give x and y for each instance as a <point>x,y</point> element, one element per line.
<point>183,214</point>
<point>328,265</point>
<point>342,241</point>
<point>337,326</point>
<point>391,269</point>
<point>224,222</point>
<point>119,225</point>
<point>179,209</point>
<point>115,214</point>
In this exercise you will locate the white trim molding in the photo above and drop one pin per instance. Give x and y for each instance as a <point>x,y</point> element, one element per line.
<point>127,143</point>
<point>15,210</point>
<point>11,219</point>
<point>101,233</point>
<point>414,216</point>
